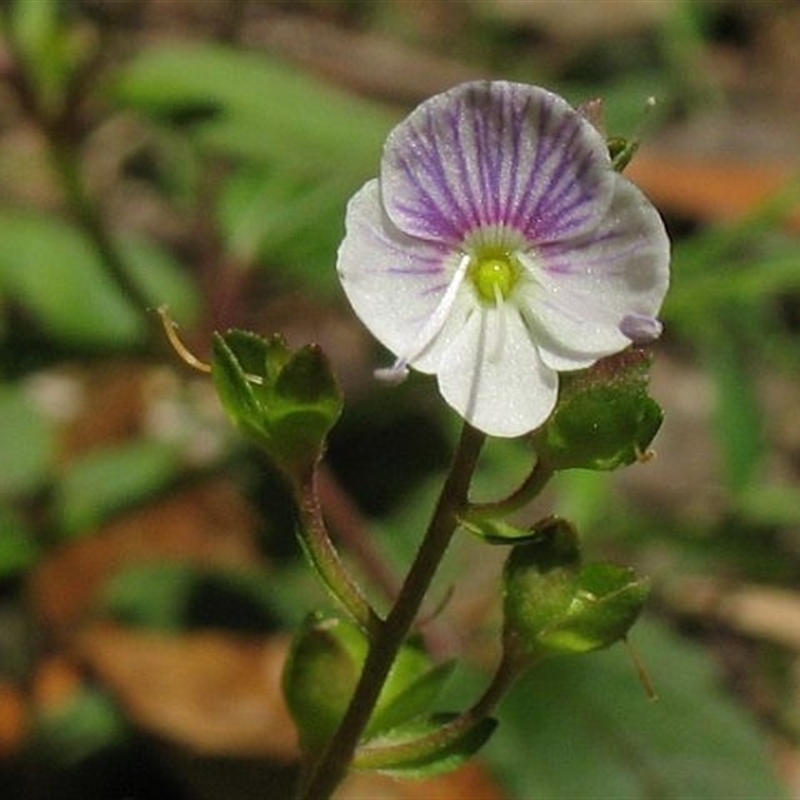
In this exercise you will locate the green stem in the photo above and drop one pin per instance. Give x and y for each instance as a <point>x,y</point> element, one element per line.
<point>519,498</point>
<point>337,756</point>
<point>323,555</point>
<point>377,757</point>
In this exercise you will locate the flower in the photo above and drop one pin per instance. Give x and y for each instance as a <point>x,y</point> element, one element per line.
<point>498,248</point>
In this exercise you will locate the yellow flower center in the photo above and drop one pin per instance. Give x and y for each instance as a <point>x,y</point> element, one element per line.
<point>494,274</point>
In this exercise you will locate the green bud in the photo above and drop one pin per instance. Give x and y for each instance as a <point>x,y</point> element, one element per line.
<point>555,606</point>
<point>320,676</point>
<point>540,579</point>
<point>285,400</point>
<point>322,671</point>
<point>621,151</point>
<point>604,418</point>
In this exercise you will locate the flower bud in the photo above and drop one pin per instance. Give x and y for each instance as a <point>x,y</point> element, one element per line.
<point>555,606</point>
<point>284,400</point>
<point>320,676</point>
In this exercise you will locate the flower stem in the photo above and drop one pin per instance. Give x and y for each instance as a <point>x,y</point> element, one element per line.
<point>374,757</point>
<point>325,559</point>
<point>529,489</point>
<point>335,759</point>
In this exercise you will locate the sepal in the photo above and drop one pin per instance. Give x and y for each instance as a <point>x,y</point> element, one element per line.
<point>604,418</point>
<point>285,400</point>
<point>554,605</point>
<point>498,531</point>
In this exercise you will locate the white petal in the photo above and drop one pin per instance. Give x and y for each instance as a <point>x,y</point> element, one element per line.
<point>495,154</point>
<point>395,283</point>
<point>504,391</point>
<point>584,289</point>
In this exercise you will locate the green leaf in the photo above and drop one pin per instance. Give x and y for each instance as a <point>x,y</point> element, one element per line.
<point>553,605</point>
<point>604,418</point>
<point>49,268</point>
<point>247,105</point>
<point>738,415</point>
<point>27,443</point>
<point>584,728</point>
<point>46,48</point>
<point>320,676</point>
<point>161,278</point>
<point>424,748</point>
<point>110,479</point>
<point>266,213</point>
<point>540,579</point>
<point>323,669</point>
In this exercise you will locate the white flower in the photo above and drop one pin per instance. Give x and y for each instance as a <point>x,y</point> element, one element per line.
<point>499,248</point>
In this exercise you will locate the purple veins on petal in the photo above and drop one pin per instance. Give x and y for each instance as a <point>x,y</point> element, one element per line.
<point>414,270</point>
<point>436,289</point>
<point>436,221</point>
<point>486,173</point>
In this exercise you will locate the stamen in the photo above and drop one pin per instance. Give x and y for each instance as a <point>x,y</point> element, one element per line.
<point>640,328</point>
<point>430,330</point>
<point>393,375</point>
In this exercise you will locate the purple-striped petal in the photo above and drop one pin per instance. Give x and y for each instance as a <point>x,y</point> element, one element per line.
<point>489,154</point>
<point>498,248</point>
<point>394,282</point>
<point>583,289</point>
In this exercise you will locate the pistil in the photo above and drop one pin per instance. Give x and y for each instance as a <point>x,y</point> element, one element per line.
<point>493,272</point>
